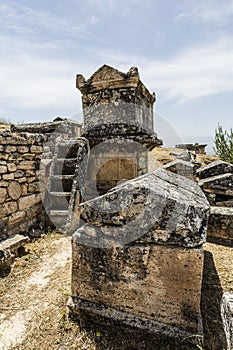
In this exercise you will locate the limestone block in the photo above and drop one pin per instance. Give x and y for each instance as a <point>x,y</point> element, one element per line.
<point>157,207</point>
<point>36,149</point>
<point>4,156</point>
<point>22,180</point>
<point>139,258</point>
<point>215,168</point>
<point>227,318</point>
<point>34,187</point>
<point>11,167</point>
<point>10,149</point>
<point>221,184</point>
<point>29,156</point>
<point>15,139</point>
<point>228,203</point>
<point>7,208</point>
<point>27,202</point>
<point>34,211</point>
<point>3,169</point>
<point>4,183</point>
<point>221,223</point>
<point>18,174</point>
<point>24,190</point>
<point>26,165</point>
<point>30,173</point>
<point>8,176</point>
<point>22,149</point>
<point>14,243</point>
<point>152,282</point>
<point>3,194</point>
<point>181,167</point>
<point>16,217</point>
<point>31,179</point>
<point>38,198</point>
<point>14,190</point>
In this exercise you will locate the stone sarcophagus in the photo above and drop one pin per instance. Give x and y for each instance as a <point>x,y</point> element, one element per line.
<point>118,122</point>
<point>138,259</point>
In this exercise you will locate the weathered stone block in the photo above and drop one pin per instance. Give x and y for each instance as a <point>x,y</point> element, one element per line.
<point>16,217</point>
<point>220,184</point>
<point>24,190</point>
<point>29,156</point>
<point>3,169</point>
<point>181,167</point>
<point>18,174</point>
<point>27,202</point>
<point>215,168</point>
<point>227,318</point>
<point>22,149</point>
<point>14,190</point>
<point>152,282</point>
<point>26,165</point>
<point>3,194</point>
<point>4,183</point>
<point>22,180</point>
<point>36,149</point>
<point>34,187</point>
<point>7,208</point>
<point>8,176</point>
<point>10,149</point>
<point>4,156</point>
<point>157,207</point>
<point>14,243</point>
<point>221,223</point>
<point>11,167</point>
<point>138,259</point>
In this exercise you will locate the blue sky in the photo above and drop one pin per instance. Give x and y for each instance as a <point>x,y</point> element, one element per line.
<point>183,49</point>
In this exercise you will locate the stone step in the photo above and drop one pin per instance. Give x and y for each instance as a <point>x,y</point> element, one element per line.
<point>60,194</point>
<point>64,166</point>
<point>59,212</point>
<point>60,183</point>
<point>59,200</point>
<point>64,177</point>
<point>68,150</point>
<point>58,218</point>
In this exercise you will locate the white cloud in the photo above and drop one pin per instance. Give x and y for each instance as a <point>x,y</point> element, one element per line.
<point>194,73</point>
<point>22,19</point>
<point>32,82</point>
<point>207,10</point>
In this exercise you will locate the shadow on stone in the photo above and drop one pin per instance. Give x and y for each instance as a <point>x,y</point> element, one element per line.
<point>112,335</point>
<point>4,271</point>
<point>220,241</point>
<point>214,336</point>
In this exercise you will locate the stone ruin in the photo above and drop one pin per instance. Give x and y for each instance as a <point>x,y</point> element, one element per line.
<point>137,255</point>
<point>216,181</point>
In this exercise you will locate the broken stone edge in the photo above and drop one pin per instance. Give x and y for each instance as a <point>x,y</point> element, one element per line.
<point>82,309</point>
<point>227,318</point>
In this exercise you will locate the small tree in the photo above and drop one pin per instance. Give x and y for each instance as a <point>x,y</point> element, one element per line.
<point>224,144</point>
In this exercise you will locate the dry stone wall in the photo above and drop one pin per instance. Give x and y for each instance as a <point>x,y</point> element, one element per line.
<point>20,198</point>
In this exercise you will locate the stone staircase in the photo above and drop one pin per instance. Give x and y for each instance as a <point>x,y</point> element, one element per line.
<point>60,191</point>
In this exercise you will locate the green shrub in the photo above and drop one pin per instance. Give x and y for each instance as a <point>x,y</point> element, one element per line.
<point>224,144</point>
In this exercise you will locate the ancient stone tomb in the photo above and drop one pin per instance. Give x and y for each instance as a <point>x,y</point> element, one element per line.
<point>139,258</point>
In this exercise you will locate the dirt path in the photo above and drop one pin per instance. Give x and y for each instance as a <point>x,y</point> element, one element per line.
<point>23,304</point>
<point>33,297</point>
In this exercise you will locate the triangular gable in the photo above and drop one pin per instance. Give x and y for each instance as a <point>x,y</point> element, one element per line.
<point>106,73</point>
